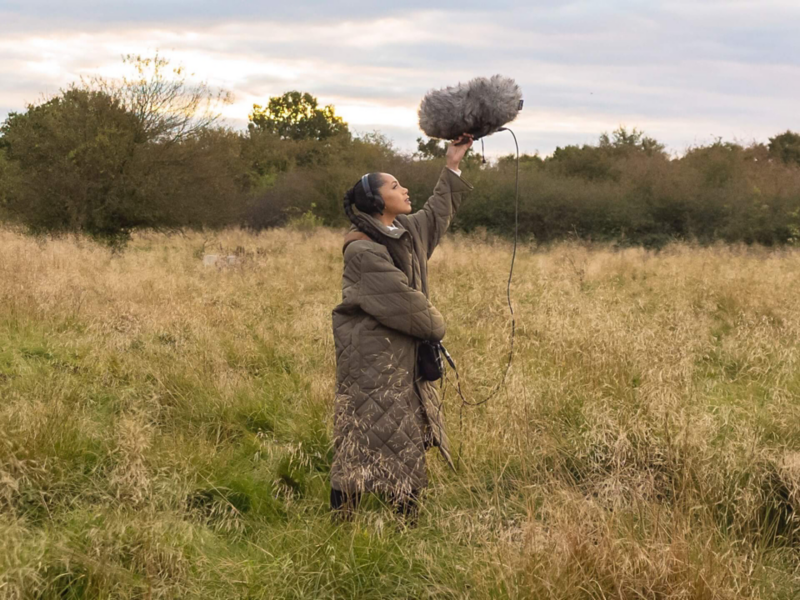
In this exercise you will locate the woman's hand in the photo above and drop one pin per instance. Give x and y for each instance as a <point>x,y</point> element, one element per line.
<point>457,149</point>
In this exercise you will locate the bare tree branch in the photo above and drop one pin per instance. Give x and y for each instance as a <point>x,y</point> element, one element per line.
<point>169,108</point>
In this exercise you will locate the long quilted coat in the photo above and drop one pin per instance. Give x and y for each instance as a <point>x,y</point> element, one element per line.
<point>385,415</point>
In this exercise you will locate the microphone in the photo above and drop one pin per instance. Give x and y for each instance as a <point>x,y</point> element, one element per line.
<point>480,107</point>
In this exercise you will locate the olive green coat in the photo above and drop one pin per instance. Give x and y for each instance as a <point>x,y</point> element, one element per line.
<point>385,416</point>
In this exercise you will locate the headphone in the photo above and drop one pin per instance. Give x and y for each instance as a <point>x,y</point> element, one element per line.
<point>377,200</point>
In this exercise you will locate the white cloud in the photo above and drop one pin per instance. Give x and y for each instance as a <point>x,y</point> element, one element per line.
<point>682,71</point>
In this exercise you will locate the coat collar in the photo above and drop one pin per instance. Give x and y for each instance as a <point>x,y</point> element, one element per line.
<point>395,234</point>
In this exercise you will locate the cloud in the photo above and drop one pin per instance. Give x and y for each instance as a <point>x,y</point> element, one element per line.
<point>49,13</point>
<point>685,72</point>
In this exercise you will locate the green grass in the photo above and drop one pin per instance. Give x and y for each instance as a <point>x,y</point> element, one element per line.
<point>166,426</point>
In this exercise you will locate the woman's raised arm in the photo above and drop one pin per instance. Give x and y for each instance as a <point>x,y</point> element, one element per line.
<point>433,220</point>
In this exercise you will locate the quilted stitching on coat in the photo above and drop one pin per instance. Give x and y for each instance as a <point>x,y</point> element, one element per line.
<point>378,438</point>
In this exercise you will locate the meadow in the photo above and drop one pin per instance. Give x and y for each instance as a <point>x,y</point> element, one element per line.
<point>166,425</point>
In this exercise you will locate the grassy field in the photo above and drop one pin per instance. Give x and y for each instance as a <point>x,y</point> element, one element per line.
<point>165,425</point>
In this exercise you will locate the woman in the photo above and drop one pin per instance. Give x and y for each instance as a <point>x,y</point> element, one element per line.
<point>385,415</point>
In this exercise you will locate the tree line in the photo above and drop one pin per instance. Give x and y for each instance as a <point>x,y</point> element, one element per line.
<point>105,157</point>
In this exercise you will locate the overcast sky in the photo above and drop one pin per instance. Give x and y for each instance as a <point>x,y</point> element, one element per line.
<point>686,72</point>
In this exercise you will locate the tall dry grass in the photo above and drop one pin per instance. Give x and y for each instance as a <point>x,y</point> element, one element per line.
<point>166,425</point>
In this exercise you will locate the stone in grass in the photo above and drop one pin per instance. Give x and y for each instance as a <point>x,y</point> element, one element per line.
<point>210,260</point>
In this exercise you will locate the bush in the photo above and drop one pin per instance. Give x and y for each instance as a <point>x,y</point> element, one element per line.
<point>197,182</point>
<point>10,181</point>
<point>294,192</point>
<point>635,195</point>
<point>82,162</point>
<point>74,153</point>
<point>105,159</point>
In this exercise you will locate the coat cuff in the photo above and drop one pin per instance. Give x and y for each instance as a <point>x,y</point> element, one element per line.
<point>457,184</point>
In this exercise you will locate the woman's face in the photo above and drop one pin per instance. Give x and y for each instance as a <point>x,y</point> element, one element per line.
<point>394,195</point>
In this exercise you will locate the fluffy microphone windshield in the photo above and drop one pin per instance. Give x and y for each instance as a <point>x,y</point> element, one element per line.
<point>479,107</point>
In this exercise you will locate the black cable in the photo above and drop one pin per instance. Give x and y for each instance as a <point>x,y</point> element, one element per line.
<point>464,401</point>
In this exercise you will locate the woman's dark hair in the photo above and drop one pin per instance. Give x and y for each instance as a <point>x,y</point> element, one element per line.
<point>358,195</point>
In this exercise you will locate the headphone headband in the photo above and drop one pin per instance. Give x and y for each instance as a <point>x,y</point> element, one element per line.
<point>365,185</point>
<point>376,200</point>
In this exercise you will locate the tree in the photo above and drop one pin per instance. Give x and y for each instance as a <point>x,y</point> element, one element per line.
<point>587,162</point>
<point>719,163</point>
<point>622,142</point>
<point>113,155</point>
<point>786,147</point>
<point>511,160</point>
<point>376,139</point>
<point>187,167</point>
<point>296,116</point>
<point>167,106</point>
<point>74,153</point>
<point>10,181</point>
<point>605,161</point>
<point>433,148</point>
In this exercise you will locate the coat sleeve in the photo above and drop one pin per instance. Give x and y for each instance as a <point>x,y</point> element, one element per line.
<point>432,220</point>
<point>384,293</point>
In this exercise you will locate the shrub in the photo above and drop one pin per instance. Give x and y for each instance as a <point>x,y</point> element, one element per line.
<point>74,153</point>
